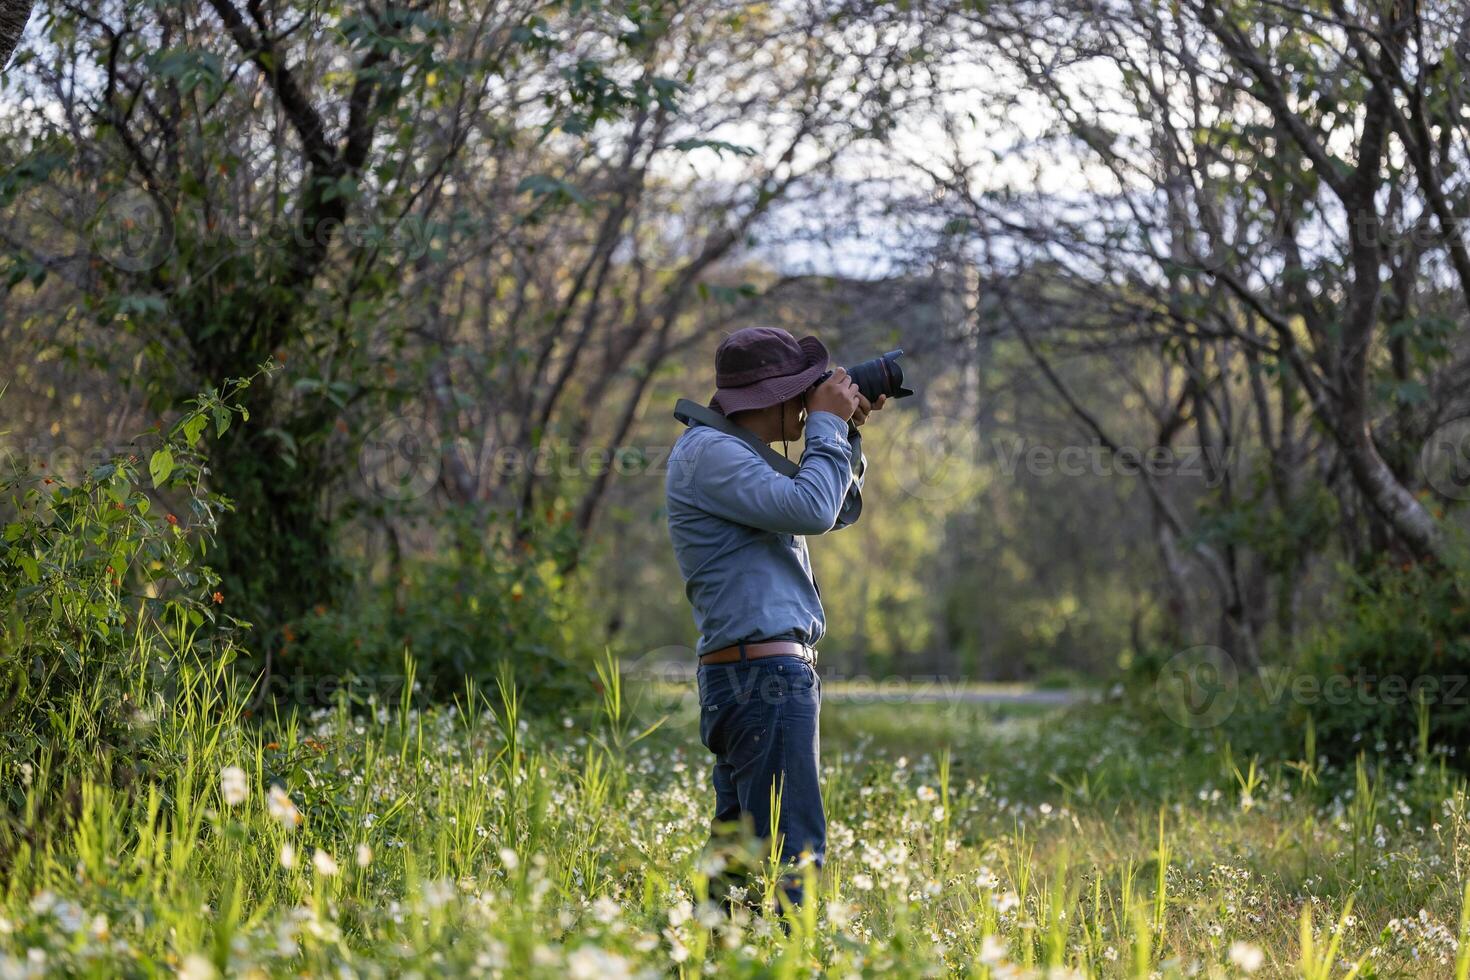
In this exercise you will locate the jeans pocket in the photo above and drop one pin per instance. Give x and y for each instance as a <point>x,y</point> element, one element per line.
<point>736,722</point>
<point>722,684</point>
<point>708,721</point>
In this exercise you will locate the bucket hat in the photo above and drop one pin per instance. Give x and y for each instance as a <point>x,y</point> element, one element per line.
<point>758,367</point>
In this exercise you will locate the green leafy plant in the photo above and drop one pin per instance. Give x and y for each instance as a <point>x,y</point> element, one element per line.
<point>105,589</point>
<point>1393,668</point>
<point>490,599</point>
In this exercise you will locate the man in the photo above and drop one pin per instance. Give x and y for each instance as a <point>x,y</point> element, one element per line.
<point>738,528</point>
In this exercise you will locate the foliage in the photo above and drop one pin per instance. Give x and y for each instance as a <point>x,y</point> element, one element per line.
<point>1388,672</point>
<point>277,187</point>
<point>104,592</point>
<point>1394,668</point>
<point>489,600</point>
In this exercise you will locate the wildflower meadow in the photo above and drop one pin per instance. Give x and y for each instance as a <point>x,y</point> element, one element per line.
<point>385,840</point>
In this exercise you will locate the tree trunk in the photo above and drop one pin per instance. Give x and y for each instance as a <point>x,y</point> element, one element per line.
<point>13,17</point>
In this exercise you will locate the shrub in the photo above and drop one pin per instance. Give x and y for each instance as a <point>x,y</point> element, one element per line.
<point>1250,715</point>
<point>1397,657</point>
<point>105,596</point>
<point>491,598</point>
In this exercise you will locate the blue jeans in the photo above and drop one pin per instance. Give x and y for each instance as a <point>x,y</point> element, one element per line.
<point>759,718</point>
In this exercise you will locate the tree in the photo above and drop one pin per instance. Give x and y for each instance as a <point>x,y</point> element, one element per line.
<point>14,14</point>
<point>1250,195</point>
<point>549,338</point>
<point>294,160</point>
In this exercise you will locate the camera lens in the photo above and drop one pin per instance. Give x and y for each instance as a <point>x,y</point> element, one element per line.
<point>881,376</point>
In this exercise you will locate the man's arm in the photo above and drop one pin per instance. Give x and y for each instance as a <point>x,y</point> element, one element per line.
<point>845,516</point>
<point>732,482</point>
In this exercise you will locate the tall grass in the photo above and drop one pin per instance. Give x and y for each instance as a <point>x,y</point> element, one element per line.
<point>472,839</point>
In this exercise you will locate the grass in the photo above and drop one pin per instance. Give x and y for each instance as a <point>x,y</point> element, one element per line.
<point>970,839</point>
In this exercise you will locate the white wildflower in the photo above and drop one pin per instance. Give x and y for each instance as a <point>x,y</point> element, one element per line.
<point>282,808</point>
<point>196,967</point>
<point>709,915</point>
<point>839,914</point>
<point>438,893</point>
<point>1246,956</point>
<point>324,863</point>
<point>591,963</point>
<point>233,786</point>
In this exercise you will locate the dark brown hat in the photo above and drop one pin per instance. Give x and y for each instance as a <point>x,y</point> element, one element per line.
<point>762,366</point>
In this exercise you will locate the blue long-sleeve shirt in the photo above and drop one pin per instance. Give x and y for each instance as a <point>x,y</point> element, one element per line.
<point>738,529</point>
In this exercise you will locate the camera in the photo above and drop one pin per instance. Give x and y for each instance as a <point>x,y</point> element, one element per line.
<point>883,375</point>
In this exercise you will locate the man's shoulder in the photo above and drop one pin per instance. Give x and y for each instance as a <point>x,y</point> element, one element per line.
<point>698,440</point>
<point>702,454</point>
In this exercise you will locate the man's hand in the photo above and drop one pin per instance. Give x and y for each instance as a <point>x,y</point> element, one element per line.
<point>865,408</point>
<point>838,394</point>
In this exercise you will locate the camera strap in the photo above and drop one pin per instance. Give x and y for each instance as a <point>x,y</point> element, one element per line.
<point>689,412</point>
<point>692,413</point>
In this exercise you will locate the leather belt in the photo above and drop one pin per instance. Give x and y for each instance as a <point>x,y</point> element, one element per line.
<point>756,651</point>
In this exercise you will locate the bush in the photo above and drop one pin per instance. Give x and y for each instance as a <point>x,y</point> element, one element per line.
<point>1389,672</point>
<point>1250,716</point>
<point>1394,669</point>
<point>105,598</point>
<point>491,599</point>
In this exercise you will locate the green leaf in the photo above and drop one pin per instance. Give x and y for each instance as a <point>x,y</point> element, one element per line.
<point>194,427</point>
<point>30,567</point>
<point>553,191</point>
<point>719,146</point>
<point>141,304</point>
<point>160,466</point>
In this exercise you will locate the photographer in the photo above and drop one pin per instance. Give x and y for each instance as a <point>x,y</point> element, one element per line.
<point>738,518</point>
